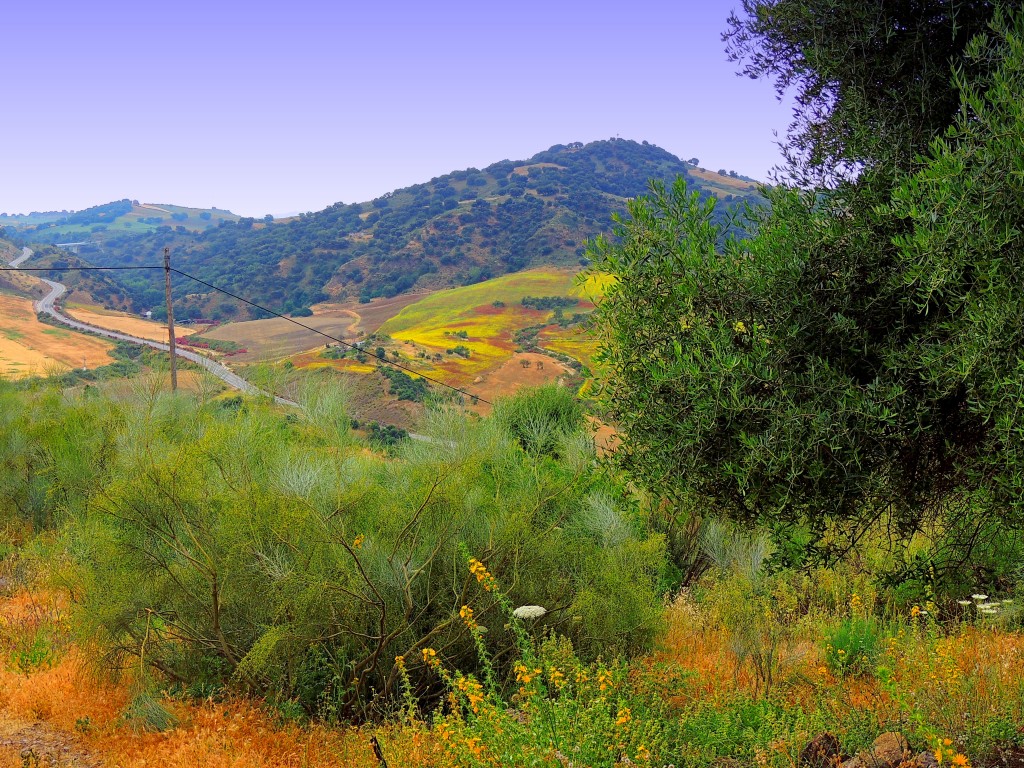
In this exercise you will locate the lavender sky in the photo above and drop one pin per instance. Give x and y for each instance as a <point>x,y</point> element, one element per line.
<point>279,107</point>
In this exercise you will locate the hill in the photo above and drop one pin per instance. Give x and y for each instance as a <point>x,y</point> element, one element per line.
<point>99,222</point>
<point>457,229</point>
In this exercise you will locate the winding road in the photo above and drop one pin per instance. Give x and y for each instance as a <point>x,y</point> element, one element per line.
<point>47,305</point>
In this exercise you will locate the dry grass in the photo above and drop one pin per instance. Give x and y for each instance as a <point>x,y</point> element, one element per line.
<point>29,347</point>
<point>125,323</point>
<point>275,338</point>
<point>954,682</point>
<point>68,694</point>
<point>727,183</point>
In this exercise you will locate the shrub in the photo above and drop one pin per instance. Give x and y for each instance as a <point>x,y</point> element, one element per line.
<point>852,647</point>
<point>266,551</point>
<point>539,418</point>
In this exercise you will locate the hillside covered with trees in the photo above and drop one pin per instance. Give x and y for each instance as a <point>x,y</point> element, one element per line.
<point>456,229</point>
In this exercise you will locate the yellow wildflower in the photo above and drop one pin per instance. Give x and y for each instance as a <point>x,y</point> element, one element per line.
<point>960,760</point>
<point>915,612</point>
<point>484,576</point>
<point>624,716</point>
<point>855,601</point>
<point>556,677</point>
<point>466,614</point>
<point>430,657</point>
<point>357,543</point>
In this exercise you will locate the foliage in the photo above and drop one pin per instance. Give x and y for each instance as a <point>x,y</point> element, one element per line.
<point>853,363</point>
<point>540,419</point>
<point>403,386</point>
<point>386,435</point>
<point>549,302</point>
<point>853,646</point>
<point>420,236</point>
<point>882,106</point>
<point>269,551</point>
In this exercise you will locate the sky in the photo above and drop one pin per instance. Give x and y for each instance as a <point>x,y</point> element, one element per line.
<point>281,107</point>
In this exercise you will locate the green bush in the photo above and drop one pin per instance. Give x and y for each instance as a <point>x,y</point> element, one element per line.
<point>267,550</point>
<point>853,647</point>
<point>539,418</point>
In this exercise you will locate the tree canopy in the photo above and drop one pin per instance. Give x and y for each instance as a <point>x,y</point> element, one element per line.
<point>860,361</point>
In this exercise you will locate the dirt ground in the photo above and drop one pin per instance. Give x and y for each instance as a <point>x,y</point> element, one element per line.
<point>512,375</point>
<point>29,347</point>
<point>369,317</point>
<point>40,744</point>
<point>272,339</point>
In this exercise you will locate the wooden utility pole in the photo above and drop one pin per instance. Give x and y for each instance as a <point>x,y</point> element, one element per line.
<point>170,319</point>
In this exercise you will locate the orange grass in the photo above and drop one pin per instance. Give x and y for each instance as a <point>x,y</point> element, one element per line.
<point>952,681</point>
<point>231,733</point>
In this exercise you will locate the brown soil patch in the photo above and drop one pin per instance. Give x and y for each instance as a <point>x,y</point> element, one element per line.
<point>276,338</point>
<point>29,347</point>
<point>722,181</point>
<point>125,323</point>
<point>371,316</point>
<point>512,375</point>
<point>524,170</point>
<point>606,437</point>
<point>41,744</point>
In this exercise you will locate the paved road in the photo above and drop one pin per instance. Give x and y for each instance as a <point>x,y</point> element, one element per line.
<point>47,306</point>
<point>25,253</point>
<point>229,377</point>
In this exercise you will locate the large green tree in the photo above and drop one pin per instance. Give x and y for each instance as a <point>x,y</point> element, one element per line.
<point>871,78</point>
<point>859,360</point>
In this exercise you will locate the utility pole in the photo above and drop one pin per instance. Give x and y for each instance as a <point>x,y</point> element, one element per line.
<point>170,319</point>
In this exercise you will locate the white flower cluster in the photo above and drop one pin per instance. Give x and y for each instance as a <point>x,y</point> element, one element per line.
<point>981,602</point>
<point>529,612</point>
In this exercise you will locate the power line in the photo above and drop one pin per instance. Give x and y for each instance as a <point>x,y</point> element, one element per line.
<point>262,309</point>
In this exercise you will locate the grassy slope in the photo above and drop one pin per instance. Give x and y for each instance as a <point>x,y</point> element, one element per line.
<point>29,347</point>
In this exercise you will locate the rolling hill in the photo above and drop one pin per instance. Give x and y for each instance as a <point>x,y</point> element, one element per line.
<point>458,229</point>
<point>99,222</point>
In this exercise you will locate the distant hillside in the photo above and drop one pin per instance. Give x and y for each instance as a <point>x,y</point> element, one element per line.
<point>457,229</point>
<point>96,224</point>
<point>100,288</point>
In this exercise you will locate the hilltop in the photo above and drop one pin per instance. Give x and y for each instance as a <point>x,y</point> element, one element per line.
<point>99,222</point>
<point>457,229</point>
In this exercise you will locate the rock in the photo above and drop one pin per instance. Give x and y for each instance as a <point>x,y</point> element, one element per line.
<point>823,751</point>
<point>889,750</point>
<point>925,760</point>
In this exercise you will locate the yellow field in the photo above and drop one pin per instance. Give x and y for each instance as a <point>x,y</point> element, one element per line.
<point>431,321</point>
<point>574,342</point>
<point>29,347</point>
<point>124,323</point>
